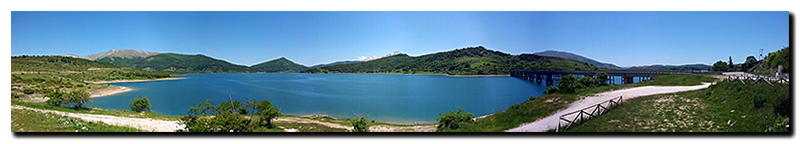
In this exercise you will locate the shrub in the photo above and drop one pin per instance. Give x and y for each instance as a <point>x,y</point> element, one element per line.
<point>588,82</point>
<point>454,120</point>
<point>74,98</point>
<point>602,78</point>
<point>140,104</point>
<point>268,112</point>
<point>28,91</point>
<point>551,89</point>
<point>360,125</point>
<point>568,84</point>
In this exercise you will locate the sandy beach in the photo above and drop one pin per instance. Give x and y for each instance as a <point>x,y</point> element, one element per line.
<point>110,90</point>
<point>128,81</point>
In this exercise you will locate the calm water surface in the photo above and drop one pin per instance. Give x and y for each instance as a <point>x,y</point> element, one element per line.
<point>389,98</point>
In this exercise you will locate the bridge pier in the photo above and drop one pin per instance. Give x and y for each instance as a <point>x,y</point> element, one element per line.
<point>549,79</point>
<point>627,80</point>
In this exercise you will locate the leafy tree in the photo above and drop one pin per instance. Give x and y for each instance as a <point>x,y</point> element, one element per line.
<point>140,104</point>
<point>720,66</point>
<point>749,63</point>
<point>568,83</point>
<point>267,111</point>
<point>454,120</point>
<point>360,125</point>
<point>602,78</point>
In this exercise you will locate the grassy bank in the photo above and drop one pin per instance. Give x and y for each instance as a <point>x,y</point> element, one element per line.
<point>723,107</point>
<point>548,104</point>
<point>98,111</point>
<point>32,121</point>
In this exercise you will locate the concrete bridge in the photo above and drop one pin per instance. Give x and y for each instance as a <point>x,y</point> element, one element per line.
<point>627,76</point>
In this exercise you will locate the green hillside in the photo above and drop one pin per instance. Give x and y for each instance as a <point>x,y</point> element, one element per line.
<point>34,76</point>
<point>121,60</point>
<point>333,64</point>
<point>465,61</point>
<point>187,64</point>
<point>278,65</point>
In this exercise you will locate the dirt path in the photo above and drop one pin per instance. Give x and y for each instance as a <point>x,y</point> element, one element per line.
<point>139,123</point>
<point>374,128</point>
<point>551,122</point>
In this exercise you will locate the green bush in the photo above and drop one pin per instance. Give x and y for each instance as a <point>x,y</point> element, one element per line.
<point>588,82</point>
<point>551,89</point>
<point>360,125</point>
<point>74,98</point>
<point>568,84</point>
<point>602,78</point>
<point>140,104</point>
<point>225,119</point>
<point>28,91</point>
<point>453,120</point>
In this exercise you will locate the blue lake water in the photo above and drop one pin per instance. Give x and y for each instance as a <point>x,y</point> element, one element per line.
<point>402,99</point>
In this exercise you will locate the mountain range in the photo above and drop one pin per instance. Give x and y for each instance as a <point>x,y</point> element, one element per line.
<point>465,61</point>
<point>596,63</point>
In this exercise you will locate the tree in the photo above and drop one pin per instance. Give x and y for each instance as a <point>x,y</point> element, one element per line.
<point>602,78</point>
<point>454,120</point>
<point>268,112</point>
<point>749,63</point>
<point>568,84</point>
<point>730,64</point>
<point>140,104</point>
<point>720,66</point>
<point>360,125</point>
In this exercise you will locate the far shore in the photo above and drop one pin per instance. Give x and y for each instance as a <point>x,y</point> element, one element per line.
<point>130,81</point>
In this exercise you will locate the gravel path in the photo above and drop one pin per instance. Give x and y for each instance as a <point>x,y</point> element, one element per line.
<point>551,122</point>
<point>139,123</point>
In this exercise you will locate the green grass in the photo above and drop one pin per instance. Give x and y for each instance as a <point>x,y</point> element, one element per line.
<point>32,121</point>
<point>749,107</point>
<point>308,127</point>
<point>548,104</point>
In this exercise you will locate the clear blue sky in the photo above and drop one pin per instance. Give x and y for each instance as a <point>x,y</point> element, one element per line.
<point>248,38</point>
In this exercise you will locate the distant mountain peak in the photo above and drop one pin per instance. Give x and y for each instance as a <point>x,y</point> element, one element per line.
<point>364,58</point>
<point>123,53</point>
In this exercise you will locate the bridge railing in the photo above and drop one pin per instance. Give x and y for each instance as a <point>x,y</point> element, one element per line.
<point>580,116</point>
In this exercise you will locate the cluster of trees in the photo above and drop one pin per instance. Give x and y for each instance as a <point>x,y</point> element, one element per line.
<point>465,61</point>
<point>569,84</point>
<point>454,120</point>
<point>360,124</point>
<point>76,99</point>
<point>781,57</point>
<point>230,116</point>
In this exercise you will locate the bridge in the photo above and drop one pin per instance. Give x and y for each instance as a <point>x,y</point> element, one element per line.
<point>627,76</point>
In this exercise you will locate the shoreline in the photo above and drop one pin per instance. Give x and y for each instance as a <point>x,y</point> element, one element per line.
<point>131,81</point>
<point>111,90</point>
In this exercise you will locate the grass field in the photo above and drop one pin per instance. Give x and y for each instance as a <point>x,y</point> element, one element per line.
<point>31,121</point>
<point>724,107</point>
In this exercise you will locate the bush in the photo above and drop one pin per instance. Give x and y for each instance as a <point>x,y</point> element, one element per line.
<point>268,112</point>
<point>140,104</point>
<point>551,89</point>
<point>602,78</point>
<point>225,119</point>
<point>360,125</point>
<point>588,82</point>
<point>74,98</point>
<point>28,91</point>
<point>568,84</point>
<point>454,120</point>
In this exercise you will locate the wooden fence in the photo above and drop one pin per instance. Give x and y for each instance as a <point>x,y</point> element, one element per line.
<point>587,113</point>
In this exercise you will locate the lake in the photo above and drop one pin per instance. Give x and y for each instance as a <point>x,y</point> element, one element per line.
<point>392,98</point>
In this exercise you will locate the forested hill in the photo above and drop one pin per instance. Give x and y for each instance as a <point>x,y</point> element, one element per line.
<point>465,61</point>
<point>278,65</point>
<point>186,64</point>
